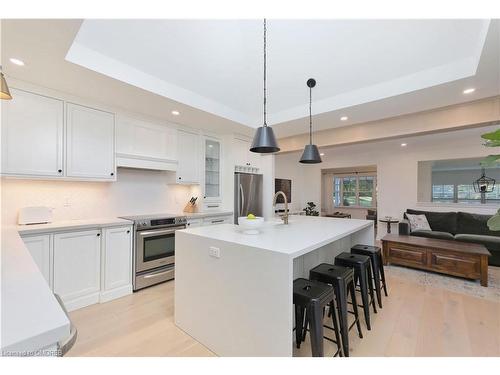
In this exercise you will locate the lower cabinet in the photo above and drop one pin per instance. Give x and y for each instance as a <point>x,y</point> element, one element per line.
<point>77,267</point>
<point>218,220</point>
<point>116,263</point>
<point>40,249</point>
<point>86,266</point>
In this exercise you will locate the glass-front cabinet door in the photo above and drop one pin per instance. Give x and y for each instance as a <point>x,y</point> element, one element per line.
<point>213,173</point>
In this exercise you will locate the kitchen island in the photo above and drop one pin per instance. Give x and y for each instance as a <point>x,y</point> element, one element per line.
<point>234,291</point>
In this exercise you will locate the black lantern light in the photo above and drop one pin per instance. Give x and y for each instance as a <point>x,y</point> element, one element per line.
<point>264,140</point>
<point>484,184</point>
<point>311,152</point>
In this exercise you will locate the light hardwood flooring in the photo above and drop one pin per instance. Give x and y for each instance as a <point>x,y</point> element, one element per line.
<point>416,320</point>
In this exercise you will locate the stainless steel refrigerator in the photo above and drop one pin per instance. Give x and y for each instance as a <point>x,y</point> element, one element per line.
<point>247,195</point>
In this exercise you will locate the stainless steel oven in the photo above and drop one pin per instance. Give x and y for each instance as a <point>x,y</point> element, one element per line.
<point>154,248</point>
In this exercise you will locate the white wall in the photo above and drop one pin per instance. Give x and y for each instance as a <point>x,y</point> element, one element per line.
<point>134,192</point>
<point>396,168</point>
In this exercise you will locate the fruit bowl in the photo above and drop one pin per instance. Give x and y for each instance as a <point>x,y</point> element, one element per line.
<point>250,226</point>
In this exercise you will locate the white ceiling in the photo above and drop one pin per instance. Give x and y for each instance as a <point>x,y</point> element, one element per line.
<point>216,65</point>
<point>212,70</point>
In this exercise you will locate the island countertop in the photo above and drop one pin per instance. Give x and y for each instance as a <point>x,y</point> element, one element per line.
<point>301,235</point>
<point>234,291</point>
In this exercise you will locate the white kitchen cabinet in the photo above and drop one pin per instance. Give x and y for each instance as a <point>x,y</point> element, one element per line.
<point>188,168</point>
<point>141,144</point>
<point>90,143</point>
<point>218,220</point>
<point>32,135</point>
<point>40,249</point>
<point>193,223</point>
<point>244,159</point>
<point>77,267</point>
<point>212,155</point>
<point>116,262</point>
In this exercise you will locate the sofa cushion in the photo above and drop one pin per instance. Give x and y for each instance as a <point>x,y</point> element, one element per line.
<point>433,234</point>
<point>474,224</point>
<point>491,242</point>
<point>418,222</point>
<point>439,221</point>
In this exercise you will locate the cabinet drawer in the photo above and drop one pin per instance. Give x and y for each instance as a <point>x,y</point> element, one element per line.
<point>403,254</point>
<point>463,265</point>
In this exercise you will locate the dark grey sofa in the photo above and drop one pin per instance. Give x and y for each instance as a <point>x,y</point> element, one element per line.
<point>457,226</point>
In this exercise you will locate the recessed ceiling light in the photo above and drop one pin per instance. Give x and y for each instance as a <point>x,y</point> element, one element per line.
<point>404,144</point>
<point>176,113</point>
<point>469,91</point>
<point>344,118</point>
<point>16,61</point>
<point>322,154</point>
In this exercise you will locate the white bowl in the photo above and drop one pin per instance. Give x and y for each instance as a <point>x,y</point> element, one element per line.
<point>250,226</point>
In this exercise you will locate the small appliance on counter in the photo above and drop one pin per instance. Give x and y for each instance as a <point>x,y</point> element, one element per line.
<point>34,215</point>
<point>191,206</point>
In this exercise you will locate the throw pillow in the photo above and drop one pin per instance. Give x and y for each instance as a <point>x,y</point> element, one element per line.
<point>418,222</point>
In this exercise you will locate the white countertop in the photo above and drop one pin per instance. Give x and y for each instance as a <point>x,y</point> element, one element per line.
<point>302,235</point>
<point>31,316</point>
<point>71,225</point>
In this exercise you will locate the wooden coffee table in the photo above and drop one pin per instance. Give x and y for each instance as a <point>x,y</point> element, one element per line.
<point>455,258</point>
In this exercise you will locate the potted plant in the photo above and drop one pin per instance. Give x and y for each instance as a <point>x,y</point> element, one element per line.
<point>310,210</point>
<point>492,140</point>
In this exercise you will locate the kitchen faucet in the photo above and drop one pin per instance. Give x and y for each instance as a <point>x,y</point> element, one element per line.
<point>285,216</point>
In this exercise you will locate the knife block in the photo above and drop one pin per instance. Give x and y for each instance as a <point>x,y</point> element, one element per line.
<point>190,208</point>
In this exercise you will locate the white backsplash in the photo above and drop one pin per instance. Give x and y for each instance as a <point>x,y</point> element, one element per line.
<point>135,192</point>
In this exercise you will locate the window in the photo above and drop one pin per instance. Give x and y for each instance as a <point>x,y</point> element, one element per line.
<point>461,193</point>
<point>443,193</point>
<point>354,191</point>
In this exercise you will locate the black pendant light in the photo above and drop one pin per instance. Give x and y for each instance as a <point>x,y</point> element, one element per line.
<point>311,152</point>
<point>484,184</point>
<point>264,140</point>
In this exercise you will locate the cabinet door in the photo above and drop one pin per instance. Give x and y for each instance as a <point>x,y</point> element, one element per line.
<point>143,139</point>
<point>241,151</point>
<point>77,267</point>
<point>117,257</point>
<point>39,248</point>
<point>90,143</point>
<point>189,158</point>
<point>193,223</point>
<point>213,169</point>
<point>32,135</point>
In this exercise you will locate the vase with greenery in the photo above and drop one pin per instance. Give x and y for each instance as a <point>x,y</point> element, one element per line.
<point>310,210</point>
<point>492,140</point>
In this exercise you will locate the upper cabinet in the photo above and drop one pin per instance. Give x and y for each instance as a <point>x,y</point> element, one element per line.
<point>212,155</point>
<point>141,144</point>
<point>90,143</point>
<point>188,169</point>
<point>32,135</point>
<point>244,159</point>
<point>38,141</point>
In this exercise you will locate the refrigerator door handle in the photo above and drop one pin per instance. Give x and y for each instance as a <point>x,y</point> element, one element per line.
<point>242,199</point>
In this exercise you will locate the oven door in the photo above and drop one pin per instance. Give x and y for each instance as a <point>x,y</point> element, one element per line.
<point>155,248</point>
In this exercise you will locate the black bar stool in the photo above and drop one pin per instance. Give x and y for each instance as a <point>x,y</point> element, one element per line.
<point>342,279</point>
<point>311,297</point>
<point>375,254</point>
<point>363,276</point>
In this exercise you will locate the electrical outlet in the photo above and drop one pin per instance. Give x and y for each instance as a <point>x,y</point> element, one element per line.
<point>214,252</point>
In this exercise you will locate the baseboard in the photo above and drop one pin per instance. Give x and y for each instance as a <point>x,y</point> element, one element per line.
<point>112,294</point>
<point>80,302</point>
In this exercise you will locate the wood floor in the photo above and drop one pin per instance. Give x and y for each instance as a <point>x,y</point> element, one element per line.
<point>416,320</point>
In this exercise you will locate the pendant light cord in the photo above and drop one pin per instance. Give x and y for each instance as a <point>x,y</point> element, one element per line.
<point>310,116</point>
<point>265,57</point>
